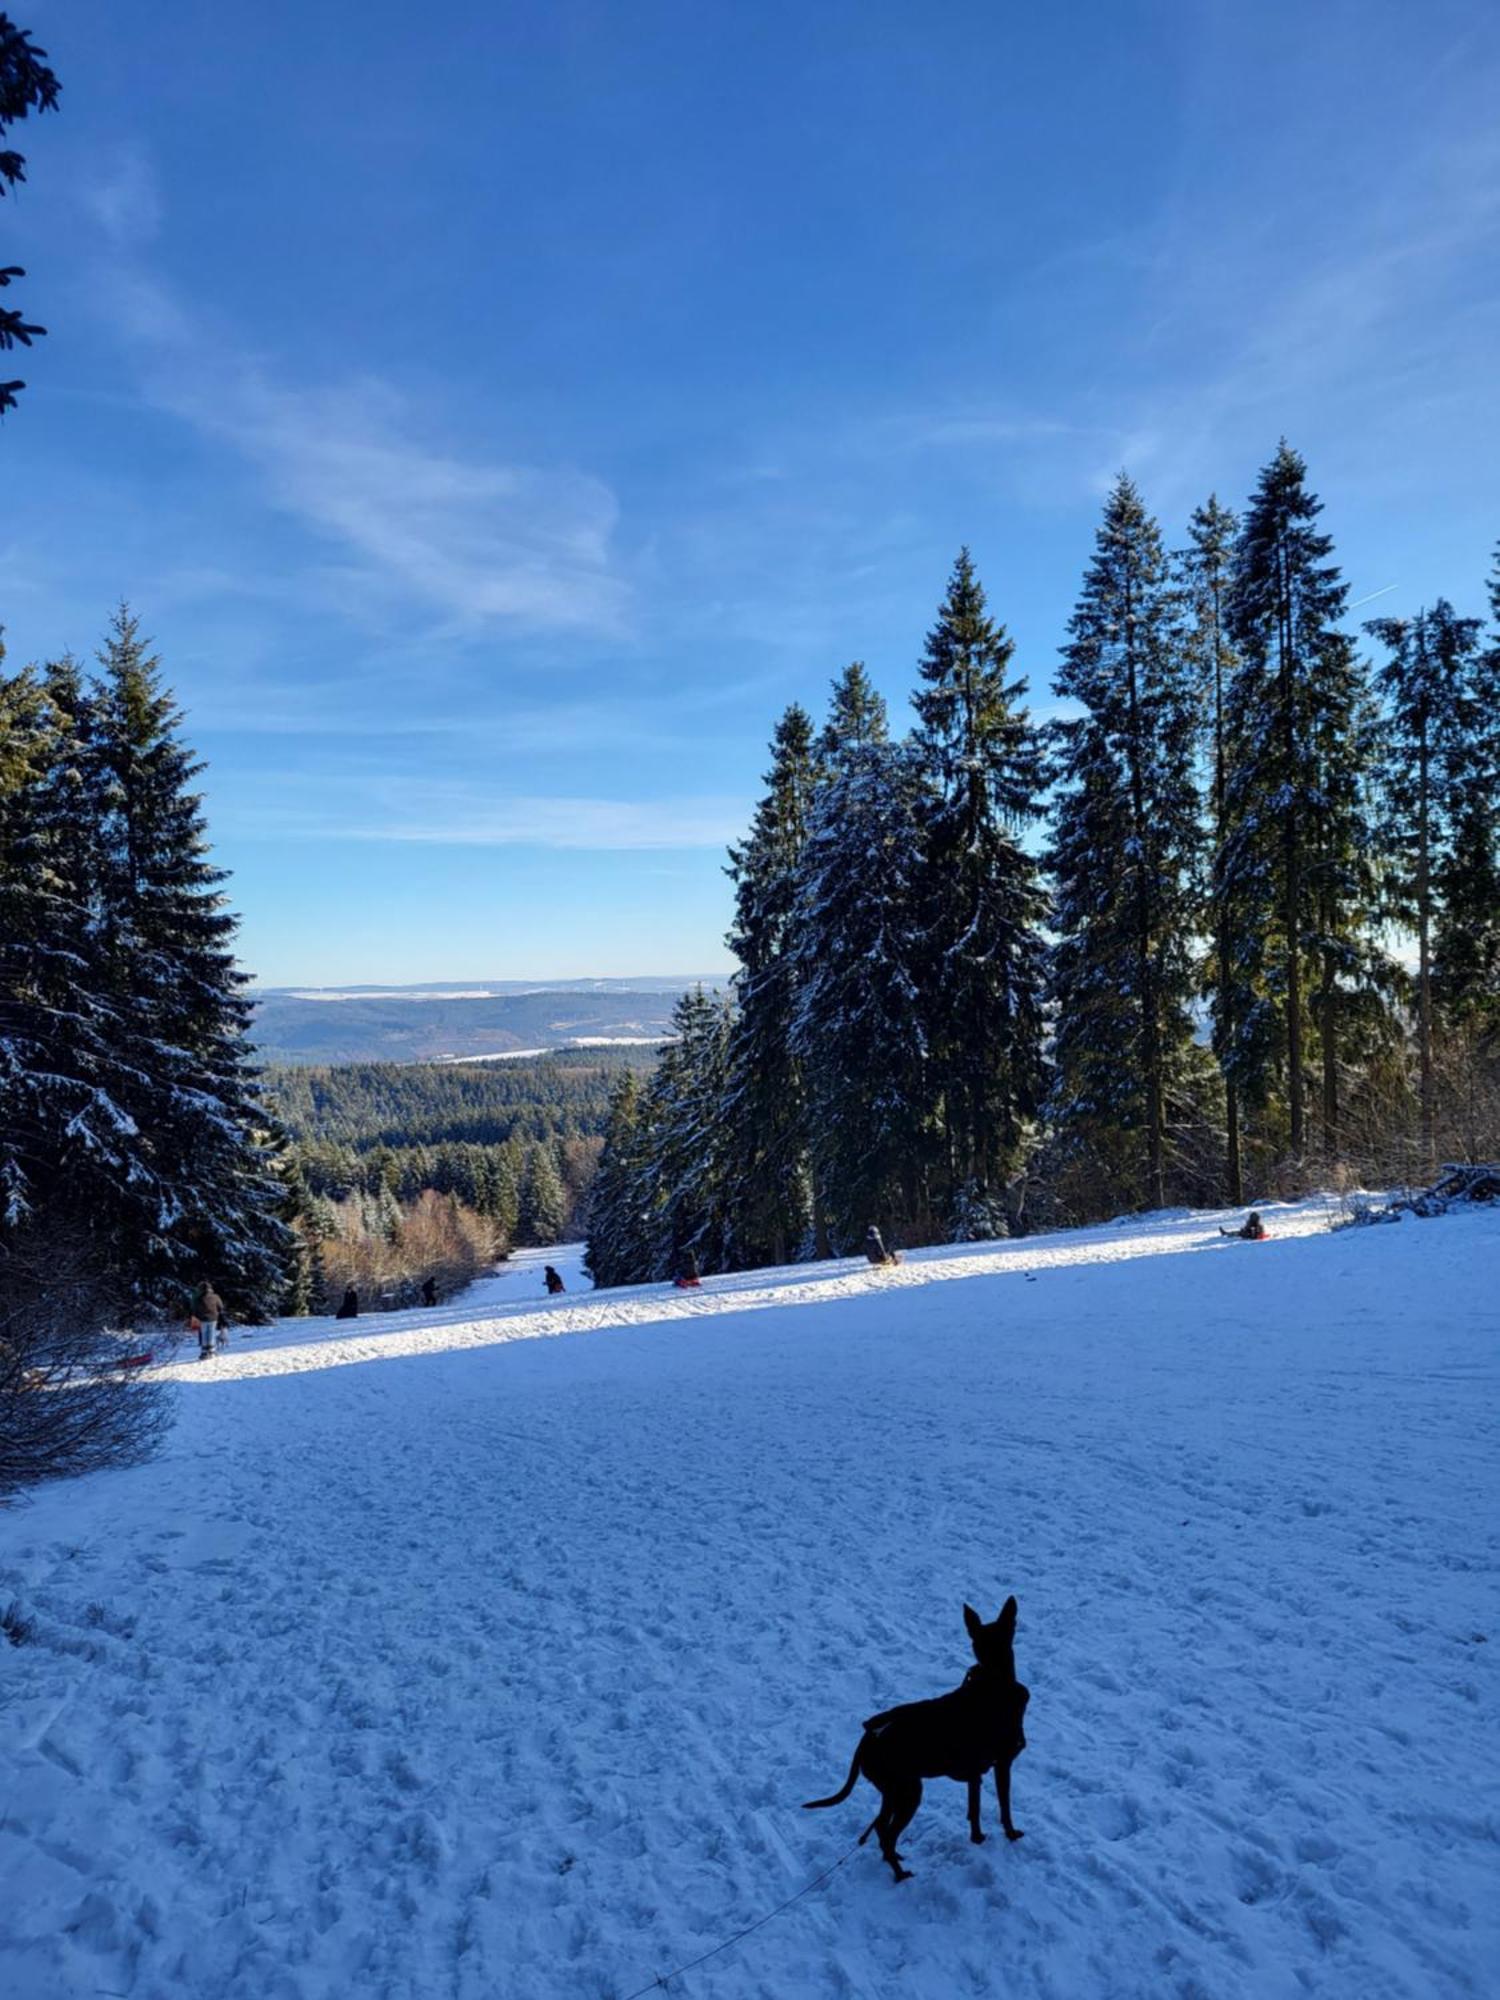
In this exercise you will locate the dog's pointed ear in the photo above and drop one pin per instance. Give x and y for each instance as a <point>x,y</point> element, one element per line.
<point>973,1623</point>
<point>1007,1616</point>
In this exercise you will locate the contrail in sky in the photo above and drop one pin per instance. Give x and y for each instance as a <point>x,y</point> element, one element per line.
<point>1384,589</point>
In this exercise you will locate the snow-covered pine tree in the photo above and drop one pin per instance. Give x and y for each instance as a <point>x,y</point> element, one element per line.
<point>68,1142</point>
<point>544,1202</point>
<point>1350,1001</point>
<point>767,1190</point>
<point>985,971</point>
<point>618,1246</point>
<point>1124,856</point>
<point>682,1167</point>
<point>856,714</point>
<point>1466,941</point>
<point>1426,747</point>
<point>201,1200</point>
<point>1205,569</point>
<point>859,1030</point>
<point>1296,744</point>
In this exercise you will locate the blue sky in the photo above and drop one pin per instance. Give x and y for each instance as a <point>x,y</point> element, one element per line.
<point>498,414</point>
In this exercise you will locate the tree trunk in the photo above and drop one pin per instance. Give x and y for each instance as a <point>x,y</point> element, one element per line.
<point>1327,1018</point>
<point>1292,859</point>
<point>1424,951</point>
<point>1156,1180</point>
<point>1232,1145</point>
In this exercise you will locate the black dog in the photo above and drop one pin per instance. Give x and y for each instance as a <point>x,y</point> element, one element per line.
<point>961,1735</point>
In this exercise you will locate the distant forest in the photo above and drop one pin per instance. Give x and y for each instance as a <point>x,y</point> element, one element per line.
<point>405,1171</point>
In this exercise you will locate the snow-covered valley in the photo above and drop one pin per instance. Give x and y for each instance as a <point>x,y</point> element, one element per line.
<point>488,1652</point>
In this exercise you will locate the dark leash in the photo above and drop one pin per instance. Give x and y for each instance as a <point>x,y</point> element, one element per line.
<point>659,1983</point>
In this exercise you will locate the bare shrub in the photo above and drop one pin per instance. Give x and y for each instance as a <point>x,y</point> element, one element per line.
<point>387,1253</point>
<point>66,1405</point>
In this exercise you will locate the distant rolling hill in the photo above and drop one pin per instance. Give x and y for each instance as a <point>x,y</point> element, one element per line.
<point>429,1023</point>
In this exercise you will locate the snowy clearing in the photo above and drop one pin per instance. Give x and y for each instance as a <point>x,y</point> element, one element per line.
<point>438,1658</point>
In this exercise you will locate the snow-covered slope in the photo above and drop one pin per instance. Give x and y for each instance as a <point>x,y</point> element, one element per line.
<point>441,1659</point>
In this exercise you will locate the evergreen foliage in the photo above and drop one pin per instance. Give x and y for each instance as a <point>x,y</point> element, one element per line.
<point>201,1198</point>
<point>1205,572</point>
<point>619,1198</point>
<point>27,84</point>
<point>1428,769</point>
<point>1292,877</point>
<point>859,1029</point>
<point>130,1112</point>
<point>765,1137</point>
<point>857,715</point>
<point>1466,940</point>
<point>983,906</point>
<point>1125,847</point>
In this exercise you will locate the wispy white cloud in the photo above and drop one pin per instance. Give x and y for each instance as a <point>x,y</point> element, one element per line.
<point>464,813</point>
<point>399,512</point>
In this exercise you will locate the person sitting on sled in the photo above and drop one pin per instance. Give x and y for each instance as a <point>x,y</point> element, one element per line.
<point>554,1281</point>
<point>687,1278</point>
<point>875,1248</point>
<point>1254,1230</point>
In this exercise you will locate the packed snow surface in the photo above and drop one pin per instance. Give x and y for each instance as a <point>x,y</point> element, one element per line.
<point>488,1652</point>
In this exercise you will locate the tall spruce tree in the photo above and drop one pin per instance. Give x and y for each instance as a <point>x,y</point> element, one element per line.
<point>1206,569</point>
<point>1466,940</point>
<point>68,1140</point>
<point>1289,873</point>
<point>201,1200</point>
<point>544,1203</point>
<point>768,1191</point>
<point>859,1028</point>
<point>1426,682</point>
<point>618,1245</point>
<point>1124,854</point>
<point>681,1168</point>
<point>985,974</point>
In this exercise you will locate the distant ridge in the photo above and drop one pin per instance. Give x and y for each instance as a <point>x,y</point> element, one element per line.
<point>473,1019</point>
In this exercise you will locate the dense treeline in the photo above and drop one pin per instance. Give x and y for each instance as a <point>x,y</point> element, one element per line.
<point>1155,950</point>
<point>381,1154</point>
<point>360,1105</point>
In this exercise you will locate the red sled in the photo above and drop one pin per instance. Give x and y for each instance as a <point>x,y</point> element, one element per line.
<point>688,1284</point>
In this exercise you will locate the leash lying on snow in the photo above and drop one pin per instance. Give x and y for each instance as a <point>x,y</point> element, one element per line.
<point>659,1983</point>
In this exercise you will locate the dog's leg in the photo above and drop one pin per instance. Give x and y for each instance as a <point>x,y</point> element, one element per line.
<point>1002,1793</point>
<point>901,1803</point>
<point>976,1831</point>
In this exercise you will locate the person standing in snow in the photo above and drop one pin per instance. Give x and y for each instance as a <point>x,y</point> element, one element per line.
<point>348,1305</point>
<point>208,1311</point>
<point>875,1248</point>
<point>429,1291</point>
<point>554,1282</point>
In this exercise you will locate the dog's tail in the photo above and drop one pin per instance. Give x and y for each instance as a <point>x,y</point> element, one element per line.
<point>809,1805</point>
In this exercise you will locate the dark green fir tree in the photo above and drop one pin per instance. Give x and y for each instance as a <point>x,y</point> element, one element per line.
<point>859,1030</point>
<point>202,1200</point>
<point>1205,571</point>
<point>1428,684</point>
<point>768,1192</point>
<point>985,972</point>
<point>1293,871</point>
<point>1124,858</point>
